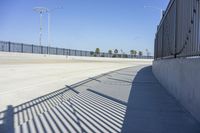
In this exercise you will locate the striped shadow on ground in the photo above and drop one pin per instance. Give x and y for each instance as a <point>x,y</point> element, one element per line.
<point>86,112</point>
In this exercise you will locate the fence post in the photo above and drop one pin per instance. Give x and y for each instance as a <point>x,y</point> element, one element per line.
<point>47,49</point>
<point>176,29</point>
<point>22,45</point>
<point>41,49</point>
<point>32,48</point>
<point>8,46</point>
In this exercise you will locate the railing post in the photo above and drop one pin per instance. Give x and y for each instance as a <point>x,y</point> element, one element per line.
<point>32,48</point>
<point>176,30</point>
<point>41,49</point>
<point>47,49</point>
<point>22,47</point>
<point>8,46</point>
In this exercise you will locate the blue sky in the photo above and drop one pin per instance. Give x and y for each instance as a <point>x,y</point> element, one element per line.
<point>84,24</point>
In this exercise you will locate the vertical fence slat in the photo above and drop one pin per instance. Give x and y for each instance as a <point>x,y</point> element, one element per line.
<point>178,30</point>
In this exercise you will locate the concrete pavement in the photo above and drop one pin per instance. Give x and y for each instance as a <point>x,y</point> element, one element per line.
<point>24,77</point>
<point>126,100</point>
<point>151,109</point>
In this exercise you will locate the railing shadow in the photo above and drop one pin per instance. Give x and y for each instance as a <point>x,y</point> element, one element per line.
<point>150,108</point>
<point>18,116</point>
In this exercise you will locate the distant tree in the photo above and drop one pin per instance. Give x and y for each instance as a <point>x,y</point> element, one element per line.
<point>116,51</point>
<point>133,52</point>
<point>110,51</point>
<point>97,51</point>
<point>140,53</point>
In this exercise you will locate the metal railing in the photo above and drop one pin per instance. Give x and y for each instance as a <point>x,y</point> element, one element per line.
<point>178,32</point>
<point>27,48</point>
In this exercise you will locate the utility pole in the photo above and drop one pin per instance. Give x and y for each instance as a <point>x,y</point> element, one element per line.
<point>41,11</point>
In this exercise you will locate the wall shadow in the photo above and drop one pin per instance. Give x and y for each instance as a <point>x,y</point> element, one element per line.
<point>151,109</point>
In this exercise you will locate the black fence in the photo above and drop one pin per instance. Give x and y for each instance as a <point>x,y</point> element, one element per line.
<point>27,48</point>
<point>178,32</point>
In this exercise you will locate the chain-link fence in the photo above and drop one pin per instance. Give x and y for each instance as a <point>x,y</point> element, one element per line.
<point>178,32</point>
<point>27,48</point>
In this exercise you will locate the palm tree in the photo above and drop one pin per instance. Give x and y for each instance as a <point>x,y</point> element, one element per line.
<point>110,51</point>
<point>133,52</point>
<point>97,51</point>
<point>116,51</point>
<point>140,53</point>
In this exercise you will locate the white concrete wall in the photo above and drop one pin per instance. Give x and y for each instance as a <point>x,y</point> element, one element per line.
<point>18,58</point>
<point>182,79</point>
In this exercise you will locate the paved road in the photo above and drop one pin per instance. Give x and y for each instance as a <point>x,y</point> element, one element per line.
<point>22,82</point>
<point>126,100</point>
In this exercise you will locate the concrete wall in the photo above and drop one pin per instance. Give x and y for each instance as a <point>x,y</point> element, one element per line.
<point>18,58</point>
<point>182,79</point>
